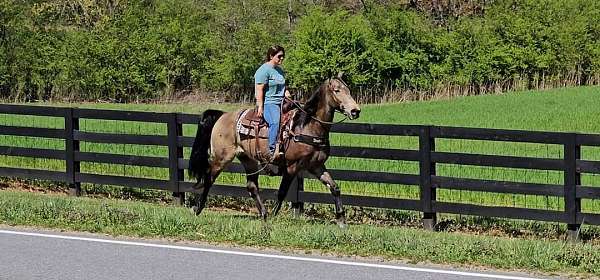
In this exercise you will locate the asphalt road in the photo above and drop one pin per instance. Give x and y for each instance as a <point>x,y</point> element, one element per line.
<point>52,255</point>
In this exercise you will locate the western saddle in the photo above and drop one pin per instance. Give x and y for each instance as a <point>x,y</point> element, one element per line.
<point>249,125</point>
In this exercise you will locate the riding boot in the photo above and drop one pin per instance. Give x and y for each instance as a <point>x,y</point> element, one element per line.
<point>272,162</point>
<point>278,155</point>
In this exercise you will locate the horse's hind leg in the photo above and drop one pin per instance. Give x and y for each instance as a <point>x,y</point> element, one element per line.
<point>217,164</point>
<point>251,167</point>
<point>326,179</point>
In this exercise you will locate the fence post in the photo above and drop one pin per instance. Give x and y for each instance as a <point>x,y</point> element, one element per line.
<point>427,169</point>
<point>572,178</point>
<point>296,187</point>
<point>175,129</point>
<point>71,147</point>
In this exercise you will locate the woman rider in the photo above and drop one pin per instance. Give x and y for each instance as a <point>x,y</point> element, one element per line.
<point>269,91</point>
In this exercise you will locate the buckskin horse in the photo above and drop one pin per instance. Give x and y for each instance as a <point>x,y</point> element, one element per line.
<point>305,143</point>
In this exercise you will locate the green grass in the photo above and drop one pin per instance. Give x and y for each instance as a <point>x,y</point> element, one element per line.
<point>139,219</point>
<point>569,109</point>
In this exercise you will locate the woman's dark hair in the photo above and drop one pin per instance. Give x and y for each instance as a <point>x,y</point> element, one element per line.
<point>272,51</point>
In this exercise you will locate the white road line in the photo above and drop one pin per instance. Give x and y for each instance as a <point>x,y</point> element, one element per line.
<point>185,248</point>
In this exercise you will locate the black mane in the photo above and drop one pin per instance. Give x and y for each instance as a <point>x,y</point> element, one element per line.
<point>310,107</point>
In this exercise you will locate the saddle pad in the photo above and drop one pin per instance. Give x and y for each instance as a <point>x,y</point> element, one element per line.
<point>248,123</point>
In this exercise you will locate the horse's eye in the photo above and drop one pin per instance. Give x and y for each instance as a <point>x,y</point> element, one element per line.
<point>337,90</point>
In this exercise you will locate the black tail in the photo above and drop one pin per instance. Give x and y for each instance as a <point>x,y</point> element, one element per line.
<point>199,165</point>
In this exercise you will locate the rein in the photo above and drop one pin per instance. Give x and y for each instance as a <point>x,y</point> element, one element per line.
<point>317,119</point>
<point>258,171</point>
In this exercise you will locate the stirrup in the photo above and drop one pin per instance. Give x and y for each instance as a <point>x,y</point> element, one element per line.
<point>278,154</point>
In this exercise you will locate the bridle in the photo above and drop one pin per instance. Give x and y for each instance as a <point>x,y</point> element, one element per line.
<point>297,104</point>
<point>338,110</point>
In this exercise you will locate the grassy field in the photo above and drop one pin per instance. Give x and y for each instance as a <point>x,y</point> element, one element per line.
<point>565,110</point>
<point>148,220</point>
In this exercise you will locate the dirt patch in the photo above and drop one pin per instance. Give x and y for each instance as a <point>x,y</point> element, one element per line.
<point>21,185</point>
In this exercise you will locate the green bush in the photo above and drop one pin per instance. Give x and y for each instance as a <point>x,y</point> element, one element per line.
<point>145,49</point>
<point>326,43</point>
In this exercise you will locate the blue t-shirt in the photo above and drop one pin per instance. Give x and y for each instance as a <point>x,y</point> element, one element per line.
<point>274,80</point>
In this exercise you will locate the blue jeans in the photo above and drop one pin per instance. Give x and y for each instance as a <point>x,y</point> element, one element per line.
<point>272,115</point>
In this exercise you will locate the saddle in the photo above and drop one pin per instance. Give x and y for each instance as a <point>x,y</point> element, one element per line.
<point>249,125</point>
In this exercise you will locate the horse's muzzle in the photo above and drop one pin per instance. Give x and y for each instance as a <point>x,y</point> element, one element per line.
<point>354,114</point>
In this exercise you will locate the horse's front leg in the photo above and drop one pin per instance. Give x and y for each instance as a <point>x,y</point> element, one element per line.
<point>286,181</point>
<point>324,176</point>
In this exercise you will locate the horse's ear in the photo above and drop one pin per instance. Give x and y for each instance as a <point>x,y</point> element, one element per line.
<point>340,74</point>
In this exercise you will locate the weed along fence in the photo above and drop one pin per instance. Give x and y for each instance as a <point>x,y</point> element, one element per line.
<point>64,151</point>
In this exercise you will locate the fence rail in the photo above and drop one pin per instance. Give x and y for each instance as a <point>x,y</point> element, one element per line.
<point>428,182</point>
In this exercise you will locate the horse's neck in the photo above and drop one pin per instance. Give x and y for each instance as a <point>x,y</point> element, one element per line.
<point>323,113</point>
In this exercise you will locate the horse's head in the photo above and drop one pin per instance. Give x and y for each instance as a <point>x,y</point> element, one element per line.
<point>339,98</point>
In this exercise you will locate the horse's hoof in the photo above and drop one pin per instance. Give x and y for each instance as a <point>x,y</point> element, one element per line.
<point>196,210</point>
<point>341,222</point>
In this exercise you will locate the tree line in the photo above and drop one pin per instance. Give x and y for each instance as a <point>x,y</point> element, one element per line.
<point>128,50</point>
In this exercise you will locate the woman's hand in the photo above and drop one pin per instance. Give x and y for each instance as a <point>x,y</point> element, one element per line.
<point>260,111</point>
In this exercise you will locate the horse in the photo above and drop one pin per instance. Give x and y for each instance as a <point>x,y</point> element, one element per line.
<point>218,142</point>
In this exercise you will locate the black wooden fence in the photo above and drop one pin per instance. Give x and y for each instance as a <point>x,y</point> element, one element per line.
<point>427,157</point>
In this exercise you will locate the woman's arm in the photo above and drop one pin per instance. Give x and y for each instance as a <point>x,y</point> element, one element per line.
<point>260,98</point>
